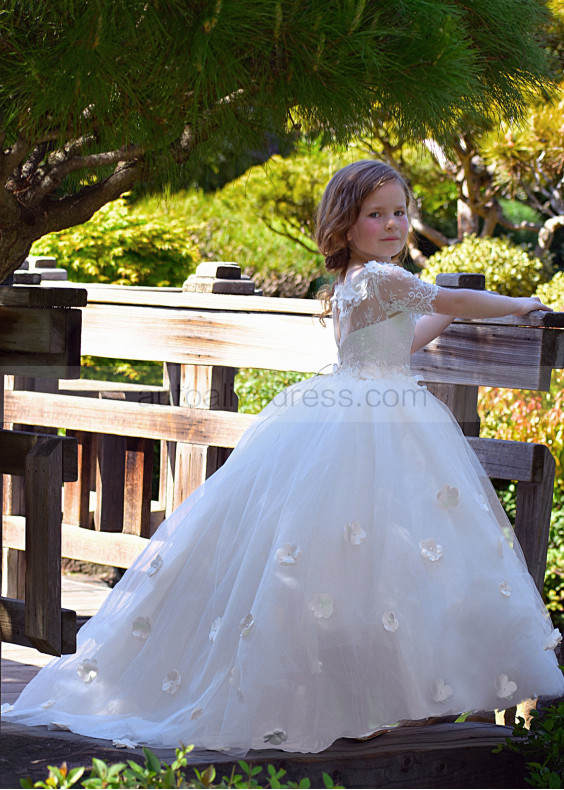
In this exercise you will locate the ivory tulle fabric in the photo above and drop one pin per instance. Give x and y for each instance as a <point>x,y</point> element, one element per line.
<point>348,567</point>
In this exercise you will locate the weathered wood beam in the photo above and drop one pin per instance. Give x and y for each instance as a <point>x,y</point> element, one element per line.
<point>12,625</point>
<point>25,296</point>
<point>520,461</point>
<point>104,548</point>
<point>197,426</point>
<point>466,353</point>
<point>15,445</point>
<point>43,490</point>
<point>39,342</point>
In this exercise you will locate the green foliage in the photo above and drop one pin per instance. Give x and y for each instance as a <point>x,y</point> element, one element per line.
<point>510,270</point>
<point>255,388</point>
<point>542,746</point>
<point>226,229</point>
<point>531,416</point>
<point>552,293</point>
<point>157,774</point>
<point>124,247</point>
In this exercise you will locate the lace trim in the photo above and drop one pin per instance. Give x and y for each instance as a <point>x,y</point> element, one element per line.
<point>418,298</point>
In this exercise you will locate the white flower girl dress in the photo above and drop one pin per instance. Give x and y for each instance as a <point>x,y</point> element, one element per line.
<point>347,568</point>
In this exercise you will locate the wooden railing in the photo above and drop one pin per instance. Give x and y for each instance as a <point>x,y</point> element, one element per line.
<point>39,337</point>
<point>202,339</point>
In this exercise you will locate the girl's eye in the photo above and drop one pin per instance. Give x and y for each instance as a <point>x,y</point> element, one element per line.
<point>375,214</point>
<point>400,213</point>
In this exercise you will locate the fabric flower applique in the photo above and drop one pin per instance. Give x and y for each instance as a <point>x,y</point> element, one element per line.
<point>87,670</point>
<point>316,667</point>
<point>441,691</point>
<point>172,682</point>
<point>275,737</point>
<point>235,681</point>
<point>505,688</point>
<point>354,533</point>
<point>484,503</point>
<point>58,725</point>
<point>322,606</point>
<point>553,640</point>
<point>390,622</point>
<point>215,628</point>
<point>505,589</point>
<point>196,713</point>
<point>431,550</point>
<point>6,708</point>
<point>288,554</point>
<point>124,743</point>
<point>246,624</point>
<point>155,565</point>
<point>448,496</point>
<point>141,628</point>
<point>48,704</point>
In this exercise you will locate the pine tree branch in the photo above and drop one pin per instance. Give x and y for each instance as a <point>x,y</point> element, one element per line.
<point>55,176</point>
<point>546,234</point>
<point>10,159</point>
<point>60,213</point>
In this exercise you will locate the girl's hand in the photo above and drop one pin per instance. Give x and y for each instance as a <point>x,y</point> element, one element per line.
<point>526,304</point>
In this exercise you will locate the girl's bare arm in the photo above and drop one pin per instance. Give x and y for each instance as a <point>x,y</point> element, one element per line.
<point>467,303</point>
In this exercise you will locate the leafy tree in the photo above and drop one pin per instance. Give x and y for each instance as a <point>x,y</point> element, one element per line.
<point>98,95</point>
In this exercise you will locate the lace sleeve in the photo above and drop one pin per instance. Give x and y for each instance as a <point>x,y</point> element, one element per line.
<point>397,290</point>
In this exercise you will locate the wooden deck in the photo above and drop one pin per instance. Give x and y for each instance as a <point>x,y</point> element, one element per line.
<point>442,755</point>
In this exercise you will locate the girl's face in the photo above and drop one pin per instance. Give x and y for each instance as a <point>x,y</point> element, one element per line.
<point>380,231</point>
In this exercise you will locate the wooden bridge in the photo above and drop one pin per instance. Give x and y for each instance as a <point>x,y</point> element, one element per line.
<point>105,462</point>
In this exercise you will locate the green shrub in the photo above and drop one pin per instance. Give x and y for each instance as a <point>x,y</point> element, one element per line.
<point>255,388</point>
<point>542,745</point>
<point>509,269</point>
<point>552,293</point>
<point>531,416</point>
<point>155,774</point>
<point>124,246</point>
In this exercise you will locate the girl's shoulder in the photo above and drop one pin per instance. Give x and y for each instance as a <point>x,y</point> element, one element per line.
<point>353,281</point>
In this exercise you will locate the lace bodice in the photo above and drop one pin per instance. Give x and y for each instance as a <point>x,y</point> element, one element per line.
<point>374,317</point>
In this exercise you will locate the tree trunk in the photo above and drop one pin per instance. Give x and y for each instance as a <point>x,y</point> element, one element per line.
<point>14,249</point>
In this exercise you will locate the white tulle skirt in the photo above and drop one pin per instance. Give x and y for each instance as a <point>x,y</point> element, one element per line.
<point>349,567</point>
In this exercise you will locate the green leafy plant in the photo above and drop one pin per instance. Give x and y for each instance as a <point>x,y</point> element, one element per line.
<point>509,269</point>
<point>157,774</point>
<point>123,246</point>
<point>542,746</point>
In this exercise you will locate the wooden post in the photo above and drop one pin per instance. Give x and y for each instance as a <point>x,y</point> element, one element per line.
<point>43,487</point>
<point>76,496</point>
<point>461,399</point>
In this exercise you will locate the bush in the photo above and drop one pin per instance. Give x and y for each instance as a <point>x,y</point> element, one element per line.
<point>552,293</point>
<point>530,416</point>
<point>542,745</point>
<point>156,774</point>
<point>509,269</point>
<point>123,246</point>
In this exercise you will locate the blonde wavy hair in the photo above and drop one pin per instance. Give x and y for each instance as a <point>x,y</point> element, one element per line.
<point>339,210</point>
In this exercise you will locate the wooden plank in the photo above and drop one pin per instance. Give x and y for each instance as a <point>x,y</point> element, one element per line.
<point>24,296</point>
<point>505,460</point>
<point>15,445</point>
<point>104,548</point>
<point>12,625</point>
<point>38,364</point>
<point>532,517</point>
<point>110,482</point>
<point>137,485</point>
<point>499,356</point>
<point>43,486</point>
<point>196,426</point>
<point>101,293</point>
<point>76,494</point>
<point>462,402</point>
<point>506,356</point>
<point>32,329</point>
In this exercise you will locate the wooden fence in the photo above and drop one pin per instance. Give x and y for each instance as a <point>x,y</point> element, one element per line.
<point>202,339</point>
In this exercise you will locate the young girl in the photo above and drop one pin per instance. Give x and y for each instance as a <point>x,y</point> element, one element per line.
<point>348,568</point>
